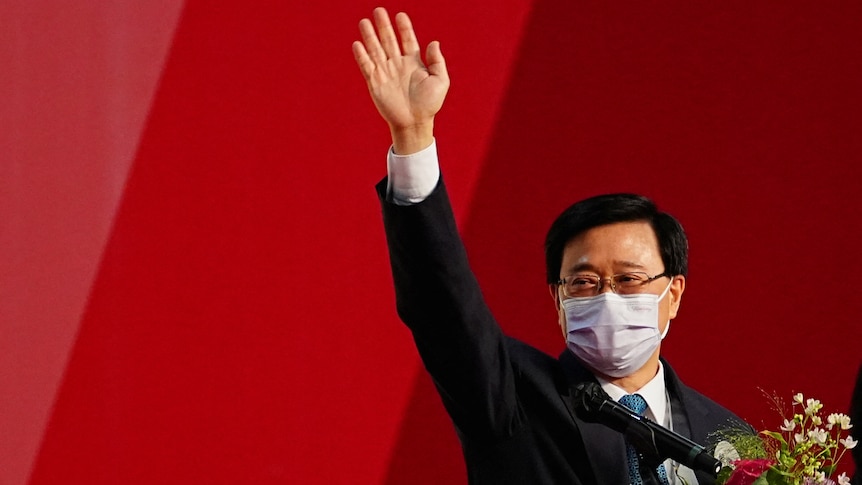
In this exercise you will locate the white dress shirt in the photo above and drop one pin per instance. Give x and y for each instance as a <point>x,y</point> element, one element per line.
<point>412,177</point>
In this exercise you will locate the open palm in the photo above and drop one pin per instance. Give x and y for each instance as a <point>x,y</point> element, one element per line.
<point>407,92</point>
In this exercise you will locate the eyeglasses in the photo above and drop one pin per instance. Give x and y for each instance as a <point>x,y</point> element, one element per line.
<point>581,285</point>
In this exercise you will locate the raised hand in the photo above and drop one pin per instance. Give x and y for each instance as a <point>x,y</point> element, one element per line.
<point>407,92</point>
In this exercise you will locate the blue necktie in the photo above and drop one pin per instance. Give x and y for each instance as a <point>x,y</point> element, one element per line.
<point>638,404</point>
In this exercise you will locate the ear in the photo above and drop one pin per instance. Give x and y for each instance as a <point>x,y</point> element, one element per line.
<point>677,287</point>
<point>553,290</point>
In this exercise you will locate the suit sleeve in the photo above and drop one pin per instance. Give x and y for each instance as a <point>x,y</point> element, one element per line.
<point>438,298</point>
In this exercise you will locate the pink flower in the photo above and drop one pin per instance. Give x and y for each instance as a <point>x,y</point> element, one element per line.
<point>747,471</point>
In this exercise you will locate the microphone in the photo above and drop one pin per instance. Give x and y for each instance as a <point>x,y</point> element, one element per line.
<point>654,441</point>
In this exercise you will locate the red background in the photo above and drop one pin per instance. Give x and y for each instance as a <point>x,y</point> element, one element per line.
<point>193,277</point>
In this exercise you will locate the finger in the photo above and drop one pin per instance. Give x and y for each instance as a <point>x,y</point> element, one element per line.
<point>370,41</point>
<point>366,65</point>
<point>386,33</point>
<point>435,60</point>
<point>409,44</point>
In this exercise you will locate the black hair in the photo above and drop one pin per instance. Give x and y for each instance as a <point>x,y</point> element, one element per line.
<point>608,209</point>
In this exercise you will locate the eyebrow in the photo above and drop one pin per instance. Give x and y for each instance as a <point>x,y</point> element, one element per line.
<point>616,264</point>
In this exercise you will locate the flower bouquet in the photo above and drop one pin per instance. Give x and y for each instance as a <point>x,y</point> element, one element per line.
<point>805,451</point>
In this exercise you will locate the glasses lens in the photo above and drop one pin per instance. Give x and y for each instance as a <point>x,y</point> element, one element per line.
<point>630,282</point>
<point>580,285</point>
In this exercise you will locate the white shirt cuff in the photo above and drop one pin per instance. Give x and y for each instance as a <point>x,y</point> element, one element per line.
<point>412,177</point>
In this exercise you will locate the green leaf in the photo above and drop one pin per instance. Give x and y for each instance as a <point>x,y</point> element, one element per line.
<point>774,476</point>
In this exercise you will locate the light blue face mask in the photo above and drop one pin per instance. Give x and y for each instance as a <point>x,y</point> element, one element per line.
<point>614,334</point>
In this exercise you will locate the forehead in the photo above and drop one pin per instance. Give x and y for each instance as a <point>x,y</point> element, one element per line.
<point>621,246</point>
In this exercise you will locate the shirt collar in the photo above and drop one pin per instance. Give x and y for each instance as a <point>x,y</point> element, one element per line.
<point>654,393</point>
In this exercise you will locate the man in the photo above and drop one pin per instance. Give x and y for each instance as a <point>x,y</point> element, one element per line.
<point>616,272</point>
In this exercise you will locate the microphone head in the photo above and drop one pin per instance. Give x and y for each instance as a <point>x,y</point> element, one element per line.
<point>589,397</point>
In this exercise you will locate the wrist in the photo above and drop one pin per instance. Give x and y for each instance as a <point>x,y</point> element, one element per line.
<point>412,139</point>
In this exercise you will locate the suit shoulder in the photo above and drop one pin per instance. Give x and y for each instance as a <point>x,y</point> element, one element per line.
<point>699,405</point>
<point>534,364</point>
<point>529,355</point>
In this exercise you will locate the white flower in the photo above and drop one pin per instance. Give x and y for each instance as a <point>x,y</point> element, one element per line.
<point>848,443</point>
<point>725,453</point>
<point>815,478</point>
<point>799,437</point>
<point>819,435</point>
<point>812,406</point>
<point>816,420</point>
<point>843,479</point>
<point>798,398</point>
<point>788,425</point>
<point>842,420</point>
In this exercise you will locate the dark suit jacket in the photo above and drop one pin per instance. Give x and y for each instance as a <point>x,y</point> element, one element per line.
<point>511,403</point>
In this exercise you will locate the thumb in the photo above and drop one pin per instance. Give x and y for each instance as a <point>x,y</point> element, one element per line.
<point>436,63</point>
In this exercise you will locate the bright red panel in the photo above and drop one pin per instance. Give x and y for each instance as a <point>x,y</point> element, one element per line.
<point>242,327</point>
<point>77,82</point>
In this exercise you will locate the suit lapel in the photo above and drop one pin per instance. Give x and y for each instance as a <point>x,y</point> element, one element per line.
<point>606,448</point>
<point>689,419</point>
